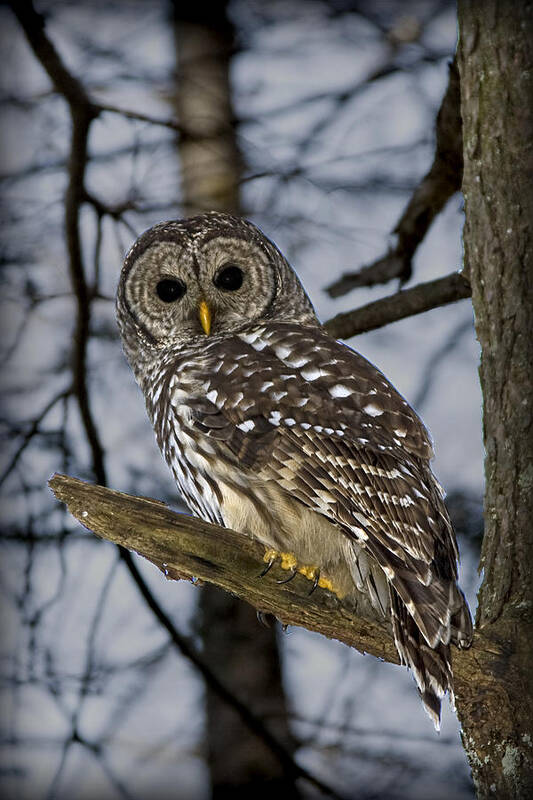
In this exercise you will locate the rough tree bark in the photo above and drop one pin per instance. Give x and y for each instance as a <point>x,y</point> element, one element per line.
<point>243,652</point>
<point>495,61</point>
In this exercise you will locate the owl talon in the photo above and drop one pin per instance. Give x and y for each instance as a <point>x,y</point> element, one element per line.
<point>289,578</point>
<point>267,568</point>
<point>315,583</point>
<point>265,618</point>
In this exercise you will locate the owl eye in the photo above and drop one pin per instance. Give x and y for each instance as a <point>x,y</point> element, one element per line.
<point>169,290</point>
<point>229,278</point>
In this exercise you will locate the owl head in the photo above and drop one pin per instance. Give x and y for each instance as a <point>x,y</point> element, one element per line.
<point>210,275</point>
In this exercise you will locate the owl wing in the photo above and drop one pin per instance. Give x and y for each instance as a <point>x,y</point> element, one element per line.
<point>293,406</point>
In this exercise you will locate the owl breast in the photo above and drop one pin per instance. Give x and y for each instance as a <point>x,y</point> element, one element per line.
<point>222,465</point>
<point>168,390</point>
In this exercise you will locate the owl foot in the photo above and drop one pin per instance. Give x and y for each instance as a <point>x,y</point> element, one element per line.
<point>315,583</point>
<point>270,556</point>
<point>289,562</point>
<point>292,575</point>
<point>266,618</point>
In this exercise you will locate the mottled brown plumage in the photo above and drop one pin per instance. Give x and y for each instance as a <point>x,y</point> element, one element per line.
<point>273,428</point>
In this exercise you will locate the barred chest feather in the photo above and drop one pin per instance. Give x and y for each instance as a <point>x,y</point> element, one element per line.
<point>190,456</point>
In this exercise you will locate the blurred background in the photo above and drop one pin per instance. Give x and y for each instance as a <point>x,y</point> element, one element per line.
<point>316,120</point>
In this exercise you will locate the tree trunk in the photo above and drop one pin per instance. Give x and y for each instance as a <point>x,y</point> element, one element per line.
<point>242,652</point>
<point>209,156</point>
<point>495,60</point>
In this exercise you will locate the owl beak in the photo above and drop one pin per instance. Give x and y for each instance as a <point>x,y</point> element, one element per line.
<point>204,314</point>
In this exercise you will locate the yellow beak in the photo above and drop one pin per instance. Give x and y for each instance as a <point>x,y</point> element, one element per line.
<point>205,317</point>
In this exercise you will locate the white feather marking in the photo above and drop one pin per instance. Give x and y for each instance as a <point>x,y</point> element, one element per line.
<point>282,352</point>
<point>296,362</point>
<point>249,338</point>
<point>212,396</point>
<point>289,421</point>
<point>266,385</point>
<point>339,390</point>
<point>157,393</point>
<point>247,425</point>
<point>401,432</point>
<point>278,396</point>
<point>305,425</point>
<point>274,417</point>
<point>373,410</point>
<point>312,373</point>
<point>324,496</point>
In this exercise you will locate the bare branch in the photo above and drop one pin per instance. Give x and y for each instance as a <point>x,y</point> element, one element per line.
<point>423,297</point>
<point>168,530</point>
<point>186,547</point>
<point>428,199</point>
<point>32,431</point>
<point>139,116</point>
<point>64,81</point>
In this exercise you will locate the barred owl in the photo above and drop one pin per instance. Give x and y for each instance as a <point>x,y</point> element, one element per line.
<point>273,428</point>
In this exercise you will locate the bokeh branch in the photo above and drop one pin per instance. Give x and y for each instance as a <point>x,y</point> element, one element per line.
<point>83,112</point>
<point>428,199</point>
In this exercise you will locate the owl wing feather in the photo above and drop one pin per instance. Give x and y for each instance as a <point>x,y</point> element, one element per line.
<point>329,429</point>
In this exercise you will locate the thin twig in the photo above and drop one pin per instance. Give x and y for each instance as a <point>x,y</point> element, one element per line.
<point>408,303</point>
<point>83,112</point>
<point>429,198</point>
<point>129,113</point>
<point>32,431</point>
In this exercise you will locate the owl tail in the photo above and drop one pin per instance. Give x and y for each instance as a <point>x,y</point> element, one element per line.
<point>431,665</point>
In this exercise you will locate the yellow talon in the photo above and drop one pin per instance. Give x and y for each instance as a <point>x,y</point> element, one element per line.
<point>325,583</point>
<point>288,561</point>
<point>309,572</point>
